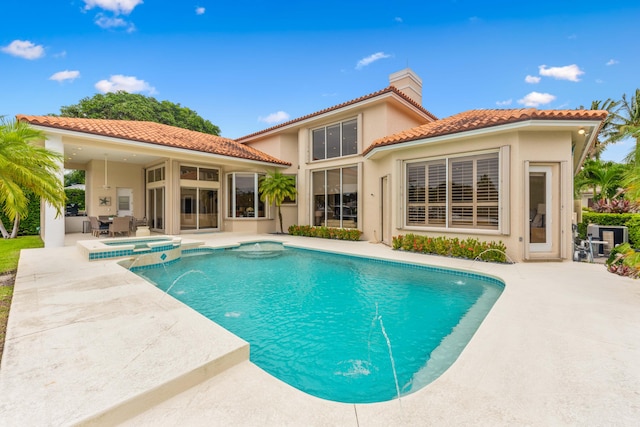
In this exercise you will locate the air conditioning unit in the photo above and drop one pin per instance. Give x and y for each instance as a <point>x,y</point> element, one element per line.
<point>602,233</point>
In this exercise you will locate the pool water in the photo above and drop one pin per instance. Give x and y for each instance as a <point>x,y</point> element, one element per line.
<point>338,327</point>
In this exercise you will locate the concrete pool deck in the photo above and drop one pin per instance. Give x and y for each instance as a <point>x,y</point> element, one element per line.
<point>90,343</point>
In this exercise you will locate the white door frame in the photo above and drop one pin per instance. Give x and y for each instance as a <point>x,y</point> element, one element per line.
<point>548,212</point>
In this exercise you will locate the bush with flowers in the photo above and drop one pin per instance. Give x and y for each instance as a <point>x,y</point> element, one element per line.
<point>454,247</point>
<point>325,232</point>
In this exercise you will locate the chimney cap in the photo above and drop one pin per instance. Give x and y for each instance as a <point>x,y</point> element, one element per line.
<point>399,75</point>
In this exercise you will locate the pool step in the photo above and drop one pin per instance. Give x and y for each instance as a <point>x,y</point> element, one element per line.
<point>148,399</point>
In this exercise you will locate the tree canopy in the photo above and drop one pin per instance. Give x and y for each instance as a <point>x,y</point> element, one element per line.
<point>122,105</point>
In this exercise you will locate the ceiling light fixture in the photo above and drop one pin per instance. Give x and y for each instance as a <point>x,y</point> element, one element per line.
<point>106,185</point>
<point>581,131</point>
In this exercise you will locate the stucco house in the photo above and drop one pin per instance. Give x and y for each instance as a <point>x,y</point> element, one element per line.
<point>380,163</point>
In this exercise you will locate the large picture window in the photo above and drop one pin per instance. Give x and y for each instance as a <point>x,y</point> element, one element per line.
<point>461,192</point>
<point>336,140</point>
<point>243,196</point>
<point>335,197</point>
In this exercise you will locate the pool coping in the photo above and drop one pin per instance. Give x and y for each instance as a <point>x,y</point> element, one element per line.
<point>559,346</point>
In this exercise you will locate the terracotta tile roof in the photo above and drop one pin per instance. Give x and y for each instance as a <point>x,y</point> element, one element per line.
<point>479,119</point>
<point>390,89</point>
<point>154,133</point>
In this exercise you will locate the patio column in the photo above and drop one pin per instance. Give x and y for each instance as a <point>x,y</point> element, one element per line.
<point>52,228</point>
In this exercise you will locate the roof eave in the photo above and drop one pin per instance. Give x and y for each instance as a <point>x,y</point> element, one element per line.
<point>382,150</point>
<point>331,111</point>
<point>144,144</point>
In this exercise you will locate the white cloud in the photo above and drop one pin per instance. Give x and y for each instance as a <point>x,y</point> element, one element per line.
<point>108,22</point>
<point>61,76</point>
<point>535,99</point>
<point>126,83</point>
<point>200,10</point>
<point>398,19</point>
<point>371,58</point>
<point>118,7</point>
<point>612,62</point>
<point>273,118</point>
<point>599,81</point>
<point>503,103</point>
<point>568,72</point>
<point>24,49</point>
<point>532,79</point>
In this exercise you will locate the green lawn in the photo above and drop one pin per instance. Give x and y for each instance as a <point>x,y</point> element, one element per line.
<point>9,255</point>
<point>10,251</point>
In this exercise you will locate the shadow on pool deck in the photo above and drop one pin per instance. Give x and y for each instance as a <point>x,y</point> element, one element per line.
<point>92,343</point>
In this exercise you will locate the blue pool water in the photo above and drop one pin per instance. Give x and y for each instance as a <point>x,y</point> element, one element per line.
<point>341,328</point>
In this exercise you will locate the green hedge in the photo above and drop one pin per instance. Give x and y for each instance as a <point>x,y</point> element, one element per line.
<point>454,247</point>
<point>75,196</point>
<point>630,220</point>
<point>29,226</point>
<point>325,232</point>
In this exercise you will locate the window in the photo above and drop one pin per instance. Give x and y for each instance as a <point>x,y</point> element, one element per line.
<point>199,174</point>
<point>336,140</point>
<point>243,196</point>
<point>335,197</point>
<point>460,192</point>
<point>156,174</point>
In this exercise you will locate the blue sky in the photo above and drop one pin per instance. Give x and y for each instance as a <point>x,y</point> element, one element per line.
<point>247,65</point>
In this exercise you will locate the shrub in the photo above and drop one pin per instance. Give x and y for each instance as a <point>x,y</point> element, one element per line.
<point>624,261</point>
<point>614,206</point>
<point>29,226</point>
<point>454,247</point>
<point>325,232</point>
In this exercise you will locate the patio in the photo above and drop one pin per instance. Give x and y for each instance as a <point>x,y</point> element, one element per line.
<point>90,343</point>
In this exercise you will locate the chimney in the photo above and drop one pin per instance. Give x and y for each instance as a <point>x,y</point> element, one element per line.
<point>407,82</point>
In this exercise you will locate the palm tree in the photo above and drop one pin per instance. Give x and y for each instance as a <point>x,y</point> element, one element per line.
<point>275,187</point>
<point>604,178</point>
<point>26,166</point>
<point>629,124</point>
<point>609,126</point>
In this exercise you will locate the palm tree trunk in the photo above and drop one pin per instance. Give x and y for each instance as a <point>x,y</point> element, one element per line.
<point>16,224</point>
<point>280,218</point>
<point>5,234</point>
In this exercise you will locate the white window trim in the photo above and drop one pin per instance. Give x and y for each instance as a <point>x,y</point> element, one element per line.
<point>502,154</point>
<point>358,121</point>
<point>232,202</point>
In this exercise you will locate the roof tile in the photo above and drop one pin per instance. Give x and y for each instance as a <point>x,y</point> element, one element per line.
<point>154,133</point>
<point>389,89</point>
<point>479,119</point>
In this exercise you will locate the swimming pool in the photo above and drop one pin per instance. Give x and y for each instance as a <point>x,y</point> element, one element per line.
<point>338,327</point>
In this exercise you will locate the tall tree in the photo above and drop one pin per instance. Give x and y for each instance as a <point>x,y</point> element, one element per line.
<point>629,124</point>
<point>122,105</point>
<point>26,166</point>
<point>275,187</point>
<point>75,176</point>
<point>609,127</point>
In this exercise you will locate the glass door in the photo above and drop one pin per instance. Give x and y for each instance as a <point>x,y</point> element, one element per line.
<point>155,208</point>
<point>540,208</point>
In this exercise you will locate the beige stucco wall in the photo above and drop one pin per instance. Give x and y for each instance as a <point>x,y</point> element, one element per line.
<point>552,148</point>
<point>123,175</point>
